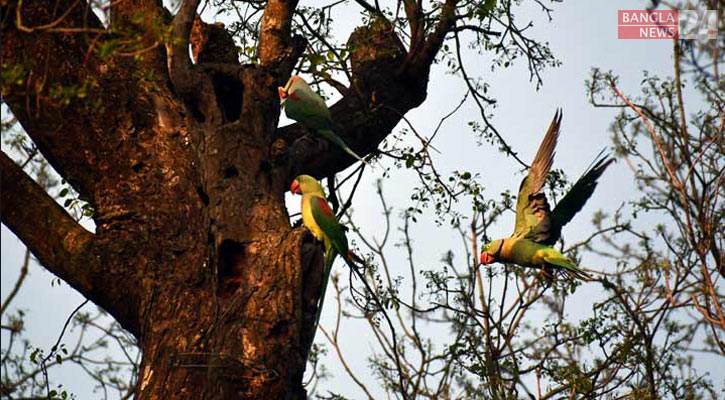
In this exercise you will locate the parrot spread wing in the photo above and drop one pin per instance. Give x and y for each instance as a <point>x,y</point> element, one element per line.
<point>577,196</point>
<point>532,209</point>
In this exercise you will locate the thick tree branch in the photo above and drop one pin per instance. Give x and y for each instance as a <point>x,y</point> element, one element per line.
<point>75,106</point>
<point>127,13</point>
<point>144,21</point>
<point>213,43</point>
<point>446,22</point>
<point>61,245</point>
<point>179,63</point>
<point>217,56</point>
<point>193,86</point>
<point>274,38</point>
<point>27,93</point>
<point>414,15</point>
<point>291,54</point>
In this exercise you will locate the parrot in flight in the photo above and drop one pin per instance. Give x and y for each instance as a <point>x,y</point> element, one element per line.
<point>318,217</point>
<point>537,226</point>
<point>305,106</point>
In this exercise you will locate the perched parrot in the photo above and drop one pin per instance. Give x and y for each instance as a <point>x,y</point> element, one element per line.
<point>318,217</point>
<point>537,226</point>
<point>305,106</point>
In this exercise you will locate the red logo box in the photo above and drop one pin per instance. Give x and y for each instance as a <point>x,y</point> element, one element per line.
<point>647,24</point>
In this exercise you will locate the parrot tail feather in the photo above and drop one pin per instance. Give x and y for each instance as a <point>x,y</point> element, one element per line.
<point>569,268</point>
<point>329,258</point>
<point>329,135</point>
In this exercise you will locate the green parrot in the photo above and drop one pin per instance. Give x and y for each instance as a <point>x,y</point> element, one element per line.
<point>537,226</point>
<point>318,217</point>
<point>305,106</point>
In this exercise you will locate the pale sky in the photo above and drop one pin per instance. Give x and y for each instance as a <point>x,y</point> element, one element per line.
<point>582,35</point>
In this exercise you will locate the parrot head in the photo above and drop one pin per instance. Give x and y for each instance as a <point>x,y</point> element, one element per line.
<point>306,184</point>
<point>284,92</point>
<point>491,252</point>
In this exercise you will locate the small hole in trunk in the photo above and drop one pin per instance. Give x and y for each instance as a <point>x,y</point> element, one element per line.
<point>231,171</point>
<point>231,257</point>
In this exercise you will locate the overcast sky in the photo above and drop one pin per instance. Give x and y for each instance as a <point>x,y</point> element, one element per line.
<point>582,35</point>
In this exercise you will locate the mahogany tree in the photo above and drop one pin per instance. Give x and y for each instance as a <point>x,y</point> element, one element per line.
<point>181,160</point>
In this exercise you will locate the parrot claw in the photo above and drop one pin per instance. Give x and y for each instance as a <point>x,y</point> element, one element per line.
<point>548,273</point>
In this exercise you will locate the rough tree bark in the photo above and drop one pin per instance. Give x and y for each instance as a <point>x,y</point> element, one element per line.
<point>186,170</point>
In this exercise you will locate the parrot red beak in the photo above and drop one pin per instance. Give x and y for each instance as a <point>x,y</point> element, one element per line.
<point>282,93</point>
<point>295,188</point>
<point>486,258</point>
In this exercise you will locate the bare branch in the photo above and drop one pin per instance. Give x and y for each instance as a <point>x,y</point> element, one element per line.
<point>18,282</point>
<point>369,8</point>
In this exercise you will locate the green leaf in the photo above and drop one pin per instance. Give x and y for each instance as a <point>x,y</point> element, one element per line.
<point>488,5</point>
<point>485,9</point>
<point>34,356</point>
<point>107,48</point>
<point>316,59</point>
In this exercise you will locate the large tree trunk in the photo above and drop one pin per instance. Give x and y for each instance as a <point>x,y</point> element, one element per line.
<point>236,325</point>
<point>186,171</point>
